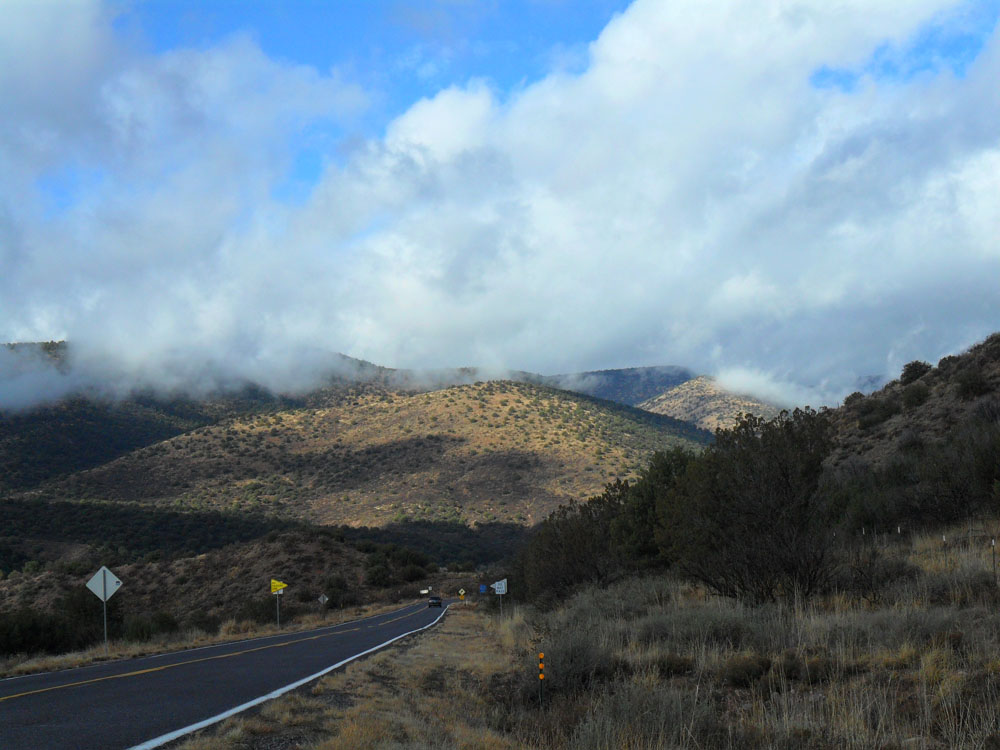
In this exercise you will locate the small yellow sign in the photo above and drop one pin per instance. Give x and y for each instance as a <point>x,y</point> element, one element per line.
<point>277,586</point>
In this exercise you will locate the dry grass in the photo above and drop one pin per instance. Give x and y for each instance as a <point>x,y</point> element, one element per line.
<point>654,663</point>
<point>835,674</point>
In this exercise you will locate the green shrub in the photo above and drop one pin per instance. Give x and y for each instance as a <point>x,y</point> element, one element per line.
<point>947,363</point>
<point>874,411</point>
<point>338,591</point>
<point>411,573</point>
<point>854,399</point>
<point>749,518</point>
<point>260,609</point>
<point>574,661</point>
<point>915,394</point>
<point>379,575</point>
<point>138,628</point>
<point>913,371</point>
<point>971,383</point>
<point>673,665</point>
<point>28,631</point>
<point>743,670</point>
<point>963,587</point>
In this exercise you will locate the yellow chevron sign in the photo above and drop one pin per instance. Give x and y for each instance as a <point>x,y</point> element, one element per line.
<point>277,586</point>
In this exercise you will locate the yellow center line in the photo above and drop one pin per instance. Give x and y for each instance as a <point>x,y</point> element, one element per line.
<point>179,664</point>
<point>401,617</point>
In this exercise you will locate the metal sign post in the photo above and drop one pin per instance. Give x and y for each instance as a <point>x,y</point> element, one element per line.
<point>500,587</point>
<point>278,588</point>
<point>104,584</point>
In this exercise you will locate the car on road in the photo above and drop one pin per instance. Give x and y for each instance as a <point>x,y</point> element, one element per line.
<point>434,601</point>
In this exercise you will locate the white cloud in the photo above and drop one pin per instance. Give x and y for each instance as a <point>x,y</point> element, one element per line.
<point>688,198</point>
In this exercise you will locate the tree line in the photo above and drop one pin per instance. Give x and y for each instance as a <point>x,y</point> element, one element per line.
<point>758,515</point>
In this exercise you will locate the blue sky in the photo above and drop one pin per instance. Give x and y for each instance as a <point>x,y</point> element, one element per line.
<point>949,41</point>
<point>398,51</point>
<point>789,194</point>
<point>405,50</point>
<point>401,51</point>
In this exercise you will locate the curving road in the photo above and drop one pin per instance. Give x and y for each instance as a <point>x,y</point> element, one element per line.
<point>147,702</point>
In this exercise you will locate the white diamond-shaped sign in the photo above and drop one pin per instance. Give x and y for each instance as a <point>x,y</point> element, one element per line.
<point>104,584</point>
<point>323,598</point>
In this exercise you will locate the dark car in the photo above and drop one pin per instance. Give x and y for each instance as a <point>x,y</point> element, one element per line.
<point>434,601</point>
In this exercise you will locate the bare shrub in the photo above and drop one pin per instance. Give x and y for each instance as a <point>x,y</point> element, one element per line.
<point>915,394</point>
<point>638,715</point>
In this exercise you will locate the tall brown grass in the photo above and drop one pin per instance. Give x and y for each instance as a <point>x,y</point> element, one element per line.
<point>656,663</point>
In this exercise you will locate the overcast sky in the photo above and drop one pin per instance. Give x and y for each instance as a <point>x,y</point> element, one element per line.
<point>790,194</point>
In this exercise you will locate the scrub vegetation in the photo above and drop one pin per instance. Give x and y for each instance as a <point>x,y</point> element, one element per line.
<point>816,580</point>
<point>755,595</point>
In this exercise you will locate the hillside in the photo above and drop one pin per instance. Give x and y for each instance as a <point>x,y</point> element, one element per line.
<point>477,453</point>
<point>925,408</point>
<point>704,403</point>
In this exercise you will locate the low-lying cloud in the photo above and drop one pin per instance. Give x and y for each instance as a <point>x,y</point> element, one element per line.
<point>689,198</point>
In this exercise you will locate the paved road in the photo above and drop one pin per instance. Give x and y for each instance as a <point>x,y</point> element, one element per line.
<point>130,703</point>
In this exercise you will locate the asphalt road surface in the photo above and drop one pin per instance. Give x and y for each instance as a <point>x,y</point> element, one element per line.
<point>149,701</point>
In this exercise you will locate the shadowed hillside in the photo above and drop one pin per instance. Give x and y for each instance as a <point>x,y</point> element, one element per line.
<point>627,386</point>
<point>927,407</point>
<point>478,453</point>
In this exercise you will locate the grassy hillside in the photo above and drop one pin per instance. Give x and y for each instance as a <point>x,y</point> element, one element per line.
<point>702,402</point>
<point>478,453</point>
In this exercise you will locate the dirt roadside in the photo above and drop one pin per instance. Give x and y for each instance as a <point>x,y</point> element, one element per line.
<point>431,689</point>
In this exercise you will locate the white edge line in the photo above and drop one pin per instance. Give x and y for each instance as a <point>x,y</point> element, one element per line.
<point>171,736</point>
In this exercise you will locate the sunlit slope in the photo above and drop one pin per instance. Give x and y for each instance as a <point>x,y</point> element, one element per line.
<point>472,453</point>
<point>703,402</point>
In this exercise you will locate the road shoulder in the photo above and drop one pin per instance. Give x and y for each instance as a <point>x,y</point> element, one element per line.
<point>429,689</point>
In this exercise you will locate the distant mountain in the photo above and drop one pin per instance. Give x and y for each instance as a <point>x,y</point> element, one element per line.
<point>701,401</point>
<point>628,386</point>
